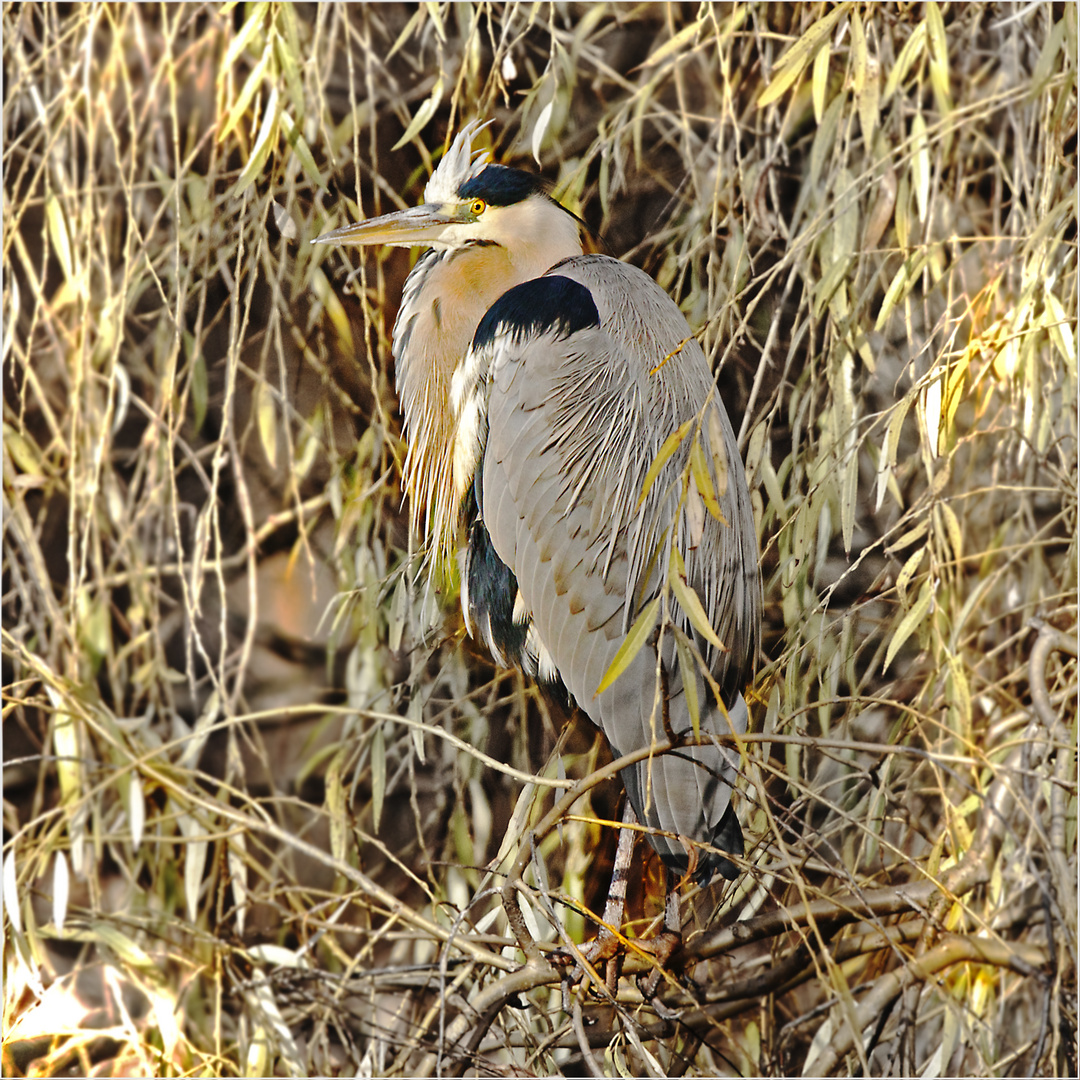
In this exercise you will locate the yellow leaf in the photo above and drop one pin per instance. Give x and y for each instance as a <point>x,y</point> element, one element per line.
<point>670,445</point>
<point>789,67</point>
<point>691,604</point>
<point>631,646</point>
<point>423,115</point>
<point>264,143</point>
<point>266,416</point>
<point>703,481</point>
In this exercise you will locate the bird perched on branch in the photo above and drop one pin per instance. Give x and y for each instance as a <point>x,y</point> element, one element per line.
<point>565,431</point>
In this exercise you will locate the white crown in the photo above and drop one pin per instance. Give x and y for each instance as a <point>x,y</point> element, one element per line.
<point>458,164</point>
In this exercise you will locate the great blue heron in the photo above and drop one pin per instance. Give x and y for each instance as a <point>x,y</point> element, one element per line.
<point>538,385</point>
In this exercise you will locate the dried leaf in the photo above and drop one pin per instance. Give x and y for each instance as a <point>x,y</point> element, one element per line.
<point>426,111</point>
<point>11,890</point>
<point>252,25</point>
<point>264,143</point>
<point>61,890</point>
<point>267,418</point>
<point>910,622</point>
<point>378,776</point>
<point>790,66</point>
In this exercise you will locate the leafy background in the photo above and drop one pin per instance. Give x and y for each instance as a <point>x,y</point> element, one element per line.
<point>262,795</point>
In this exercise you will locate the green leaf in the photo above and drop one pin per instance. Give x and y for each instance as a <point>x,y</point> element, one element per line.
<point>631,646</point>
<point>671,444</point>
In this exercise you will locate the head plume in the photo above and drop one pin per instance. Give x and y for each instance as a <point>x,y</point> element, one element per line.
<point>458,164</point>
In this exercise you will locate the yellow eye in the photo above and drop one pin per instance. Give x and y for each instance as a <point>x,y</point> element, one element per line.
<point>477,207</point>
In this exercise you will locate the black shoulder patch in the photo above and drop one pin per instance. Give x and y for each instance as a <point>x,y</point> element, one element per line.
<point>548,303</point>
<point>501,186</point>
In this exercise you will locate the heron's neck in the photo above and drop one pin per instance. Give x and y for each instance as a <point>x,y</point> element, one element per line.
<point>445,297</point>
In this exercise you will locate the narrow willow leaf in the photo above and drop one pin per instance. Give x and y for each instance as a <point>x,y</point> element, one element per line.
<point>11,890</point>
<point>909,622</point>
<point>849,491</point>
<point>378,776</point>
<point>912,49</point>
<point>115,939</point>
<point>235,856</point>
<point>540,129</point>
<point>632,645</point>
<point>61,890</point>
<point>939,58</point>
<point>195,852</point>
<point>691,604</point>
<point>200,390</point>
<point>267,418</point>
<point>136,809</point>
<point>930,405</point>
<point>952,530</point>
<point>908,571</point>
<point>887,461</point>
<point>688,670</point>
<point>718,449</point>
<point>898,287</point>
<point>699,470</point>
<point>920,164</point>
<point>58,235</point>
<point>339,319</point>
<point>252,25</point>
<point>416,713</point>
<point>426,111</point>
<point>790,66</point>
<point>676,44</point>
<point>820,83</point>
<point>910,537</point>
<point>264,143</point>
<point>1060,329</point>
<point>399,612</point>
<point>671,444</point>
<point>337,807</point>
<point>251,86</point>
<point>695,515</point>
<point>304,156</point>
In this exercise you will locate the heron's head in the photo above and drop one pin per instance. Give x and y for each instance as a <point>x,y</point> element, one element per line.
<point>471,201</point>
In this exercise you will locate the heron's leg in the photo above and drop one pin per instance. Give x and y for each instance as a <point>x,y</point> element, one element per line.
<point>605,946</point>
<point>666,942</point>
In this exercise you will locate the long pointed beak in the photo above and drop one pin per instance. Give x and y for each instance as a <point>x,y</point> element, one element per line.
<point>404,228</point>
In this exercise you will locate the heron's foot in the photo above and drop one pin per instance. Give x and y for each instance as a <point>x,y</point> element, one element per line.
<point>606,948</point>
<point>661,948</point>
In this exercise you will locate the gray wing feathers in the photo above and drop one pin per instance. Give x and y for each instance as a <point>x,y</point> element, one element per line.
<point>574,424</point>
